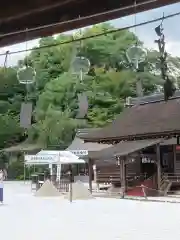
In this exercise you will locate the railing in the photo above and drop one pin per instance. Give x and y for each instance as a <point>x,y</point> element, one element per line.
<point>37,181</point>
<point>63,186</point>
<point>173,177</point>
<point>170,183</point>
<point>114,178</point>
<point>165,187</point>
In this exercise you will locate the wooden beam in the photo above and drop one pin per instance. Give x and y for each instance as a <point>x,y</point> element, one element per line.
<point>94,14</point>
<point>36,10</point>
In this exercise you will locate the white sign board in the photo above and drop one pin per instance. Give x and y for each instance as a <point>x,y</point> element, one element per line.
<point>41,159</point>
<point>80,152</point>
<point>52,159</point>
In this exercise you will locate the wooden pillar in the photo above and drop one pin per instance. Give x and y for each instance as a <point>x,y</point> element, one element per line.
<point>122,176</point>
<point>70,182</point>
<point>90,170</point>
<point>174,158</point>
<point>158,166</point>
<point>94,173</point>
<point>124,163</point>
<point>24,167</point>
<point>95,176</point>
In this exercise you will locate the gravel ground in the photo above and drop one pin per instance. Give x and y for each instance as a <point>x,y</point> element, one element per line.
<point>25,217</point>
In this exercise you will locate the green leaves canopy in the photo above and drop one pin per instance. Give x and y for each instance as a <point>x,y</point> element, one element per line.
<point>55,94</point>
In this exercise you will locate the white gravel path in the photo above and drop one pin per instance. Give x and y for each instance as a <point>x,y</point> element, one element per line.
<point>25,217</point>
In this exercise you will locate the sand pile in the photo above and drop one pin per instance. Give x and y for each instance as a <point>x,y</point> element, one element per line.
<point>47,190</point>
<point>79,192</point>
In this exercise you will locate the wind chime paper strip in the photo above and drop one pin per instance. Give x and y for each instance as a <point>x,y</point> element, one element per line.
<point>83,105</point>
<point>139,89</point>
<point>26,115</point>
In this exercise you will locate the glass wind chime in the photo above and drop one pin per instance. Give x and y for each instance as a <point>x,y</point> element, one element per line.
<point>26,75</point>
<point>136,56</point>
<point>80,66</point>
<point>169,88</point>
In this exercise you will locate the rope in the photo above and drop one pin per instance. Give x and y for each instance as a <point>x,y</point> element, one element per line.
<point>156,190</point>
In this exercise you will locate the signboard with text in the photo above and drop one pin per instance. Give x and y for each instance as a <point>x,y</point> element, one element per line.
<point>80,152</point>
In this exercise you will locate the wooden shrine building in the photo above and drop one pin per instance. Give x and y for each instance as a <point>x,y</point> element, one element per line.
<point>144,141</point>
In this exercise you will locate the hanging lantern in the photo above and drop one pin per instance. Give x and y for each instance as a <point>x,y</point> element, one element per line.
<point>26,75</point>
<point>80,66</point>
<point>135,55</point>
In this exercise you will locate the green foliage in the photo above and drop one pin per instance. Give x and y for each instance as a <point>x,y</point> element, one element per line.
<point>55,93</point>
<point>16,170</point>
<point>56,129</point>
<point>10,130</point>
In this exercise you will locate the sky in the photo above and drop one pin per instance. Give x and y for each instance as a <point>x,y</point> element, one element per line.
<point>145,33</point>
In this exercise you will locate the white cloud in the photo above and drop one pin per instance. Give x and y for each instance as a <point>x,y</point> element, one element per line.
<point>173,47</point>
<point>12,59</point>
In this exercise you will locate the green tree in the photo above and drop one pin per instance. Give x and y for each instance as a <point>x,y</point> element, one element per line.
<point>10,131</point>
<point>55,93</point>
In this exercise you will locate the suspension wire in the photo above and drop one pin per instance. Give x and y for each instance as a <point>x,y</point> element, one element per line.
<point>162,19</point>
<point>26,48</point>
<point>135,17</point>
<point>80,34</point>
<point>26,62</point>
<point>95,35</point>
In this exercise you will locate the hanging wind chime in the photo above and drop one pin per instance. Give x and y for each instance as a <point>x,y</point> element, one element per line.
<point>80,67</point>
<point>169,88</point>
<point>136,56</point>
<point>26,75</point>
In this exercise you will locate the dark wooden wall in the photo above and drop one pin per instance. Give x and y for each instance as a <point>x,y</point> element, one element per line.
<point>134,168</point>
<point>170,163</point>
<point>110,173</point>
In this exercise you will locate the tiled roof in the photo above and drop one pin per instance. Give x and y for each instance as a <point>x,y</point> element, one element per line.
<point>151,98</point>
<point>82,131</point>
<point>79,145</point>
<point>142,120</point>
<point>23,147</point>
<point>123,149</point>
